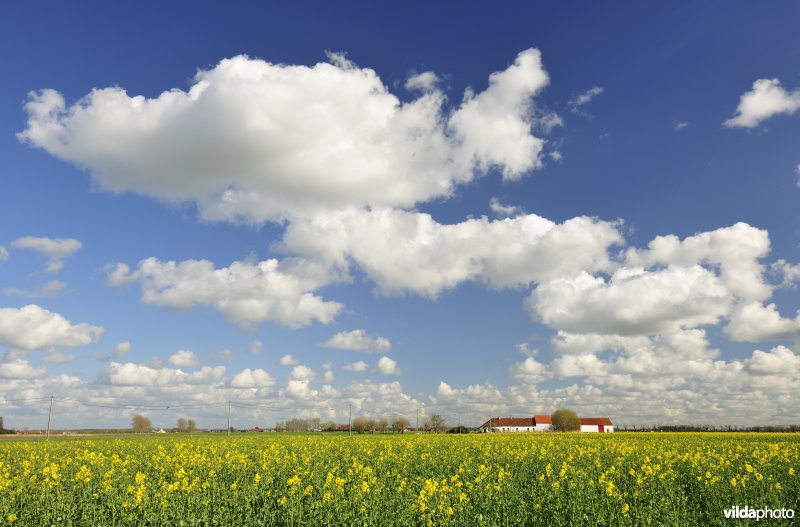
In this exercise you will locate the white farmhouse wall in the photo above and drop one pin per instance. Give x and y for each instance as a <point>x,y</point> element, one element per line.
<point>595,428</point>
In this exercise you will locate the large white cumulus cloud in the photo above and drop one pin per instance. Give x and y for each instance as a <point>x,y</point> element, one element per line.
<point>633,301</point>
<point>244,293</point>
<point>254,141</point>
<point>404,251</point>
<point>132,374</point>
<point>672,284</point>
<point>33,327</point>
<point>736,251</point>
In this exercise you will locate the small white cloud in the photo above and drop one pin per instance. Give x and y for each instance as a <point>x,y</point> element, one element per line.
<point>20,369</point>
<point>184,359</point>
<point>123,348</point>
<point>578,366</point>
<point>3,254</point>
<point>789,272</point>
<point>226,354</point>
<point>255,348</point>
<point>288,360</point>
<point>119,274</point>
<point>550,121</point>
<point>529,371</point>
<point>302,373</point>
<point>766,99</point>
<point>679,125</point>
<point>54,266</point>
<point>756,322</point>
<point>248,378</point>
<point>778,361</point>
<point>155,363</point>
<point>57,357</point>
<point>298,389</point>
<point>525,349</point>
<point>53,287</point>
<point>483,396</point>
<point>425,81</point>
<point>387,366</point>
<point>358,340</point>
<point>54,248</point>
<point>328,376</point>
<point>504,211</point>
<point>584,98</point>
<point>356,366</point>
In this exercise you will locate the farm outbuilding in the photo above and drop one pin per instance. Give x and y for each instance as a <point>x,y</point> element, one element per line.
<point>596,424</point>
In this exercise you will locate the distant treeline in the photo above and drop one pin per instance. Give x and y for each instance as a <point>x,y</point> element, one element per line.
<point>713,428</point>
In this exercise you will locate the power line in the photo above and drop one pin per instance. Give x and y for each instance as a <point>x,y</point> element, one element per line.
<point>169,406</point>
<point>27,399</point>
<point>213,410</point>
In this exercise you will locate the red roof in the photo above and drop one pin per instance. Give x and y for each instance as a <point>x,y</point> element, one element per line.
<point>541,420</point>
<point>343,428</point>
<point>605,421</point>
<point>511,421</point>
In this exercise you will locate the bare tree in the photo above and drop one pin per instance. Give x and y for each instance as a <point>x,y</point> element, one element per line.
<point>141,424</point>
<point>191,425</point>
<point>435,422</point>
<point>360,424</point>
<point>399,424</point>
<point>330,426</point>
<point>181,424</point>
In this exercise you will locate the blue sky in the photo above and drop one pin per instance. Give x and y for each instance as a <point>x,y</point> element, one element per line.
<point>467,209</point>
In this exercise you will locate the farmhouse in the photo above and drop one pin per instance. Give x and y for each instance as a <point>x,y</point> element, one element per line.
<point>537,423</point>
<point>542,423</point>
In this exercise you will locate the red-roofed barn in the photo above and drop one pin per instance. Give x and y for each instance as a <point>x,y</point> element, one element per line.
<point>596,424</point>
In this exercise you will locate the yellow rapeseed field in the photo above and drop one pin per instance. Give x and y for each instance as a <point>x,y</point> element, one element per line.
<point>414,480</point>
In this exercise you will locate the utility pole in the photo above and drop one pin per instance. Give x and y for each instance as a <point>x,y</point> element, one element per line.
<point>229,417</point>
<point>49,414</point>
<point>459,423</point>
<point>350,419</point>
<point>418,419</point>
